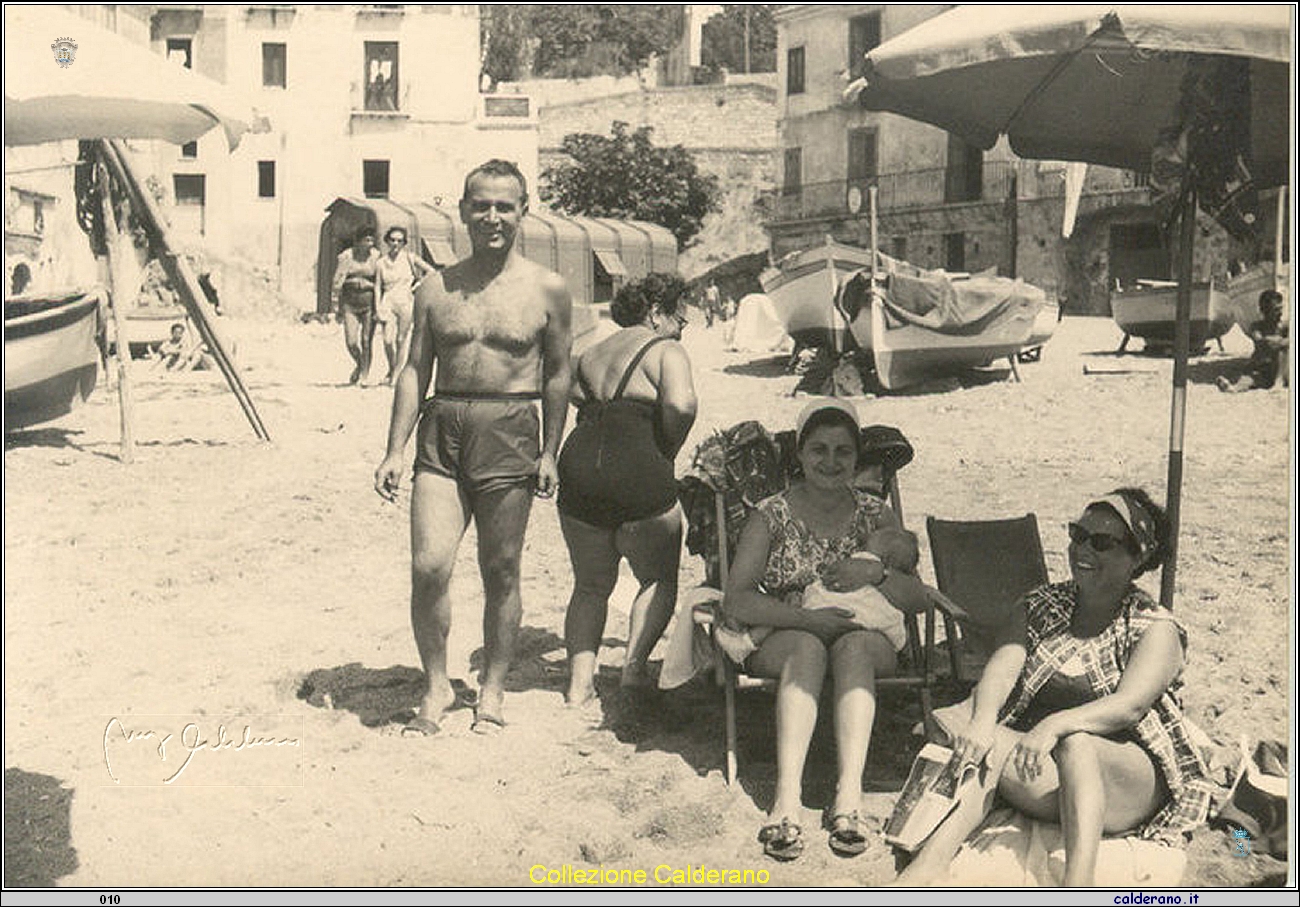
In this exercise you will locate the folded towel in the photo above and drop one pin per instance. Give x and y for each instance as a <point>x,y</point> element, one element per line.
<point>688,651</point>
<point>1012,850</point>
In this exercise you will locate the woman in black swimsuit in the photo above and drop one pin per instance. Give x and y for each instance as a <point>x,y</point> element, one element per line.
<point>618,490</point>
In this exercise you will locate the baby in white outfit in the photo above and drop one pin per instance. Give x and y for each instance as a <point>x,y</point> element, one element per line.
<point>895,548</point>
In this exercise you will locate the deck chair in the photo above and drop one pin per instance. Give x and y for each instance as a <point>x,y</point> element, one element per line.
<point>983,567</point>
<point>757,465</point>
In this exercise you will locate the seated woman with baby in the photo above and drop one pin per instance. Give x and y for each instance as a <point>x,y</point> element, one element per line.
<point>818,600</point>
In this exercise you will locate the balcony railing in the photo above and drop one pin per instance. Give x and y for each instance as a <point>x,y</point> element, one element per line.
<point>940,186</point>
<point>369,100</point>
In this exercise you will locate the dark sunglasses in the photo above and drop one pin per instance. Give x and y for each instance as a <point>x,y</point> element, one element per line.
<point>1099,541</point>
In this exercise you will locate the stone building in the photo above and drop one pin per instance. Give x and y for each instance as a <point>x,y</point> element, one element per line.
<point>942,203</point>
<point>730,128</point>
<point>374,100</point>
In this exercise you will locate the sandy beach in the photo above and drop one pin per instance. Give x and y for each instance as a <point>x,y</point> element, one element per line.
<point>222,582</point>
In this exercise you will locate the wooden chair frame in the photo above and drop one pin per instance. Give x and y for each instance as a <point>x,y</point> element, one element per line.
<point>982,566</point>
<point>920,646</point>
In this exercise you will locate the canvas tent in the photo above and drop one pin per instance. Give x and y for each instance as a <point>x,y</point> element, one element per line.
<point>594,255</point>
<point>757,329</point>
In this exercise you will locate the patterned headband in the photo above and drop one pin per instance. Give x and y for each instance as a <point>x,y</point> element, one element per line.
<point>1141,525</point>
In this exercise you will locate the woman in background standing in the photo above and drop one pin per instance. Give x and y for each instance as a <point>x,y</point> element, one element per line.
<point>400,272</point>
<point>355,279</point>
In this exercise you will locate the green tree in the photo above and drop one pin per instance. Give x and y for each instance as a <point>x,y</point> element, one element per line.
<point>626,175</point>
<point>723,39</point>
<point>575,40</point>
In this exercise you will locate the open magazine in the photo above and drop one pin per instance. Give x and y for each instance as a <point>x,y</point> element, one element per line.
<point>934,785</point>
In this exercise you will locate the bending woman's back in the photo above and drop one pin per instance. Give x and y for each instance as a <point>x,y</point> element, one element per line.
<point>618,491</point>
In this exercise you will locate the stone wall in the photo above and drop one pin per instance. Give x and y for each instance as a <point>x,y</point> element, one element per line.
<point>730,129</point>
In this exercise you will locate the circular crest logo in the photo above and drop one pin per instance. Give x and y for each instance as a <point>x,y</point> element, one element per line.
<point>65,52</point>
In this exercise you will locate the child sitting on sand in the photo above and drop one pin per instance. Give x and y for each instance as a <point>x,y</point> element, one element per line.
<point>895,548</point>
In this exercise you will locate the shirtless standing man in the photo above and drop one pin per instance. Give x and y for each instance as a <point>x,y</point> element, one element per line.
<point>497,325</point>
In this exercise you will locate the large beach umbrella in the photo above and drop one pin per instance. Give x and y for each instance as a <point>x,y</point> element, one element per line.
<point>1208,88</point>
<point>67,78</point>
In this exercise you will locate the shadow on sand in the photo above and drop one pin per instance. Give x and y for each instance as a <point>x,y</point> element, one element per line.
<point>38,836</point>
<point>689,721</point>
<point>771,367</point>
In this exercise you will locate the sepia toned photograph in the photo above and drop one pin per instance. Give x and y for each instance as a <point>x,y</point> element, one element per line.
<point>649,447</point>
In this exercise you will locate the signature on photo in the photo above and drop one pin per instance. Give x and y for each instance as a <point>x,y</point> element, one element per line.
<point>190,742</point>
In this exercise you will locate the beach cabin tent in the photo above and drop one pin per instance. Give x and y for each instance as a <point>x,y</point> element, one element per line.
<point>757,327</point>
<point>595,255</point>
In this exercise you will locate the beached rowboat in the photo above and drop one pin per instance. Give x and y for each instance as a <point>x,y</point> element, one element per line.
<point>908,354</point>
<point>803,286</point>
<point>1147,311</point>
<point>147,327</point>
<point>51,355</point>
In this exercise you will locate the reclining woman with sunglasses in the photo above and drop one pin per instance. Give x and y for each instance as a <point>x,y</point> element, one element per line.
<point>1076,719</point>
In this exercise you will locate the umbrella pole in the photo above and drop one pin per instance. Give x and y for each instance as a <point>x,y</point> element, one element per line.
<point>117,284</point>
<point>1178,407</point>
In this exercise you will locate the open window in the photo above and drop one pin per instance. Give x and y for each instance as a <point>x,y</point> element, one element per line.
<point>381,75</point>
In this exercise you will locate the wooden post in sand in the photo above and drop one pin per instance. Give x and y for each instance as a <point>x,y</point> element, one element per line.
<point>1278,281</point>
<point>834,309</point>
<point>118,249</point>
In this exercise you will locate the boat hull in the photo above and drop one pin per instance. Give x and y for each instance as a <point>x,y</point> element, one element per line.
<point>1049,316</point>
<point>51,361</point>
<point>803,291</point>
<point>909,355</point>
<point>1149,313</point>
<point>148,327</point>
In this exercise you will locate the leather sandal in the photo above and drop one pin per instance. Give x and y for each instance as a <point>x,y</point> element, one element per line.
<point>782,840</point>
<point>847,839</point>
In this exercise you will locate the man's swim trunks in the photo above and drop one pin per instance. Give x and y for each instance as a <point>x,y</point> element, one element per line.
<point>484,442</point>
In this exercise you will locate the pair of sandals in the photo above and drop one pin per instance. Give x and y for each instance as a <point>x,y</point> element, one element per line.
<point>783,840</point>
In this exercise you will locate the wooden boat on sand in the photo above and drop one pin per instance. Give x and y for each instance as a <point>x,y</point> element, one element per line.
<point>920,325</point>
<point>909,354</point>
<point>51,355</point>
<point>147,327</point>
<point>803,287</point>
<point>1147,311</point>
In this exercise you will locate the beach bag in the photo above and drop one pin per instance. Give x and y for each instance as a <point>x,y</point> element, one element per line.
<point>745,464</point>
<point>1257,805</point>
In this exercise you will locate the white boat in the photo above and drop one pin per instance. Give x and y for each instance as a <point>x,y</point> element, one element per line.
<point>147,327</point>
<point>802,288</point>
<point>909,354</point>
<point>1147,311</point>
<point>921,324</point>
<point>1244,289</point>
<point>51,355</point>
<point>1049,316</point>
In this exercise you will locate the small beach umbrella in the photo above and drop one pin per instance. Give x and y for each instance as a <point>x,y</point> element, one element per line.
<point>1208,87</point>
<point>67,78</point>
